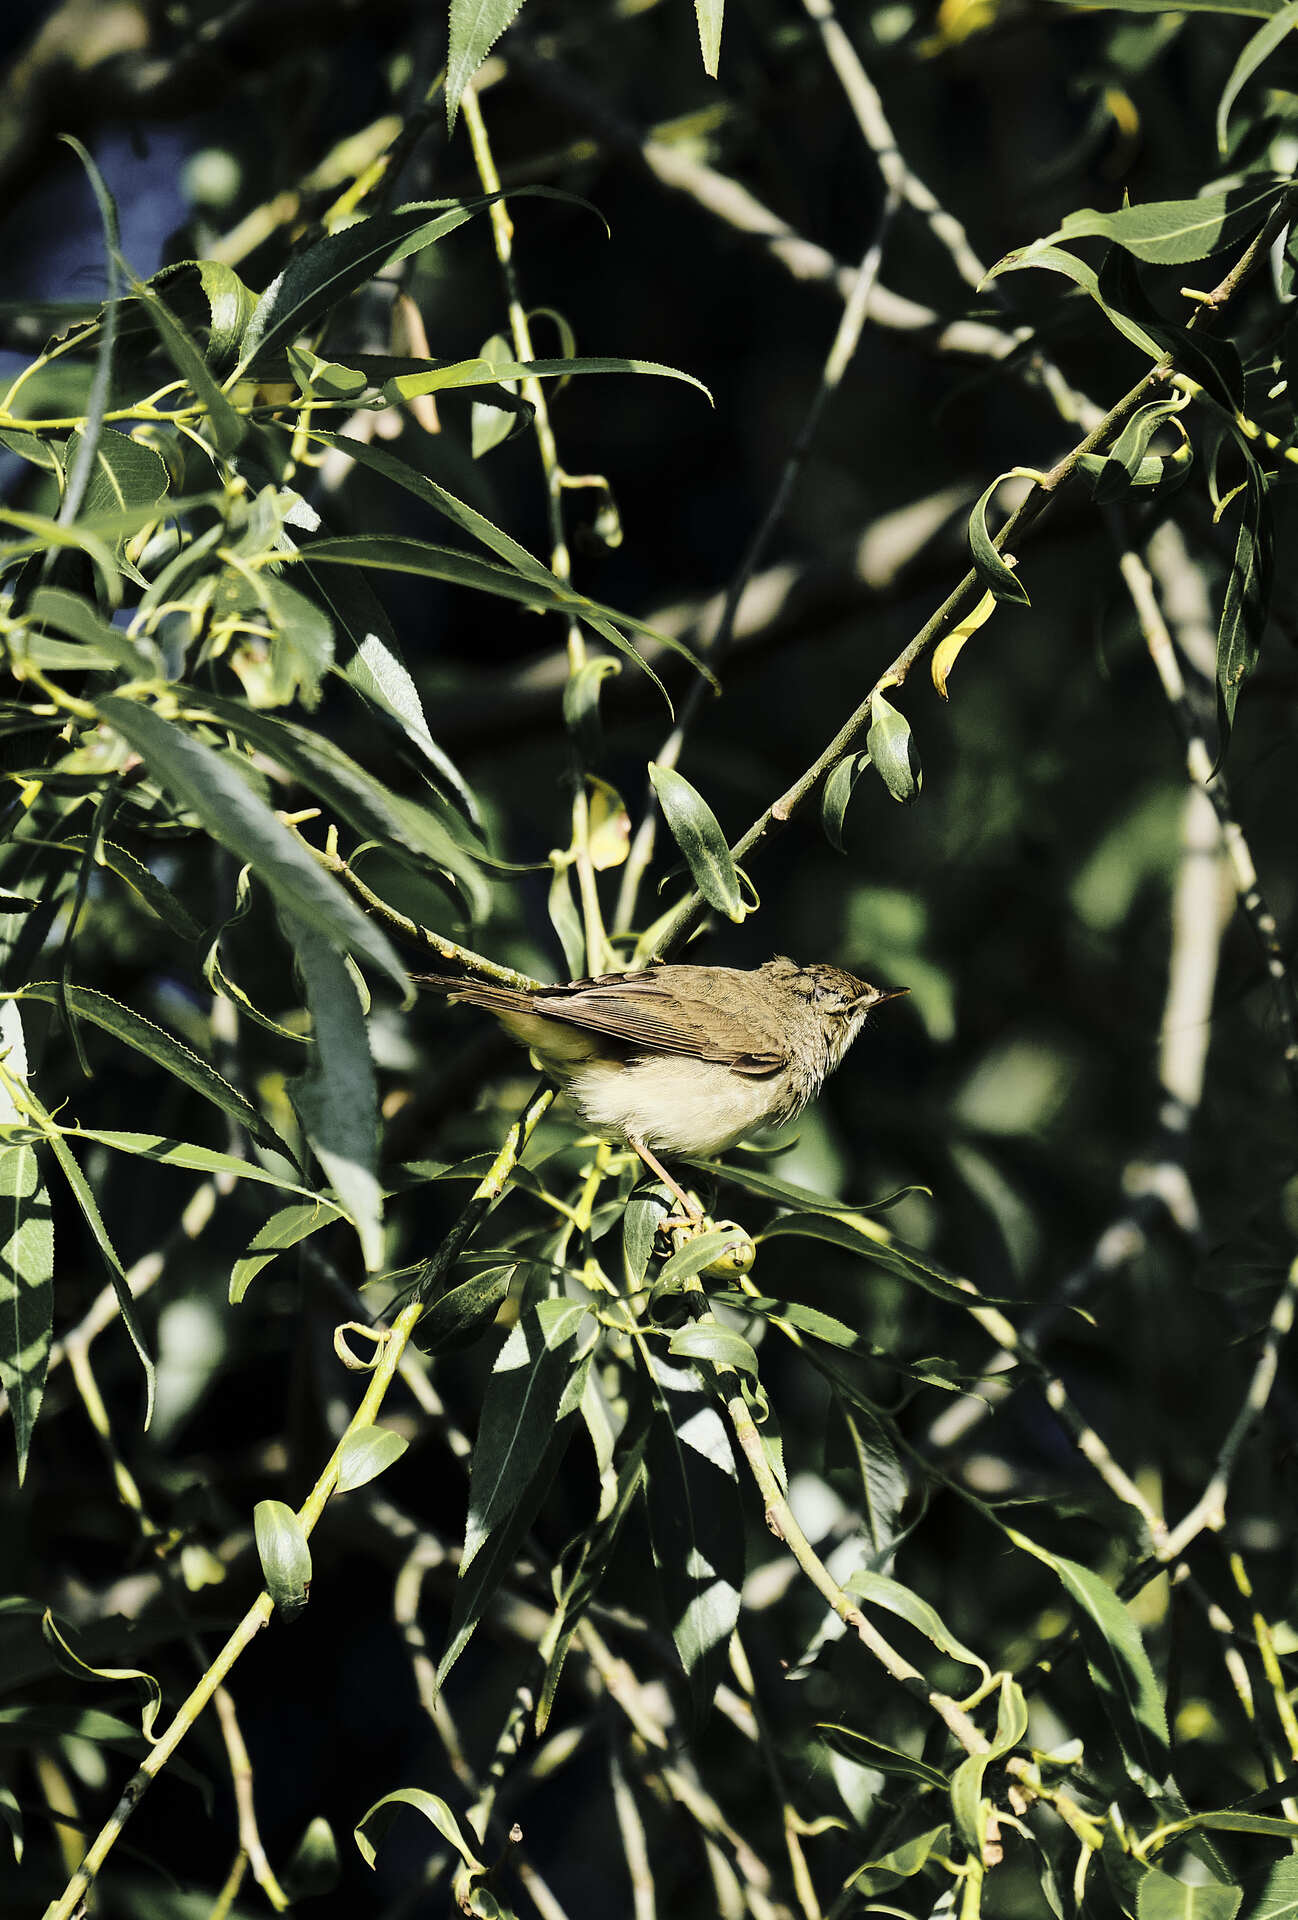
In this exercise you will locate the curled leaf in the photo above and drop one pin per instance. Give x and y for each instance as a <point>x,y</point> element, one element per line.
<point>991,567</point>
<point>891,748</point>
<point>949,648</point>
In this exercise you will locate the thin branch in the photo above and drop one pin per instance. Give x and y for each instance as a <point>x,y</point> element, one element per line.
<point>1209,1510</point>
<point>480,1203</point>
<point>1201,769</point>
<point>842,351</point>
<point>1045,486</point>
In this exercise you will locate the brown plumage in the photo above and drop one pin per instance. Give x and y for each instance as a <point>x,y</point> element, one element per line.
<point>684,1059</point>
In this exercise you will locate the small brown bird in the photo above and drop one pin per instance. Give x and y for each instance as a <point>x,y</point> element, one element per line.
<point>684,1059</point>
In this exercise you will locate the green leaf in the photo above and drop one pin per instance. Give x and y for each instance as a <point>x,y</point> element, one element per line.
<point>602,619</point>
<point>890,747</point>
<point>12,1816</point>
<point>462,1314</point>
<point>124,474</point>
<point>695,829</point>
<point>1173,232</point>
<point>785,1194</point>
<point>699,1251</point>
<point>1274,1895</point>
<point>967,1780</point>
<point>696,1526</point>
<point>379,674</point>
<point>315,280</point>
<point>721,1346</point>
<point>366,1453</point>
<point>1160,1897</point>
<point>313,1867</point>
<point>475,27</point>
<point>228,425</point>
<point>1125,466</point>
<point>242,822</point>
<point>26,1285</point>
<point>69,613</point>
<point>1118,1662</point>
<point>208,296</point>
<point>878,1473</point>
<point>454,375</point>
<point>996,576</point>
<point>489,426</point>
<point>1263,43</point>
<point>160,900</point>
<point>284,1554</point>
<point>85,1199</point>
<point>865,1752</point>
<point>399,554</point>
<point>1057,260</point>
<point>432,1809</point>
<point>71,1662</point>
<point>162,1048</point>
<point>879,1590</point>
<point>907,1262</point>
<point>708,14</point>
<point>534,1390</point>
<point>286,1228</point>
<point>403,827</point>
<point>581,704</point>
<point>840,783</point>
<point>1247,601</point>
<point>337,1099</point>
<point>902,1863</point>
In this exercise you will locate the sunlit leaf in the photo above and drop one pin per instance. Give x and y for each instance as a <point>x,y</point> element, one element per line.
<point>285,1556</point>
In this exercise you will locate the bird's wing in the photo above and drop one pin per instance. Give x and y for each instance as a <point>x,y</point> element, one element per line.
<point>646,1014</point>
<point>643,1012</point>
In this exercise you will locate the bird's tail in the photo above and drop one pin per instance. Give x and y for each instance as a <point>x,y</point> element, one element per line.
<point>479,993</point>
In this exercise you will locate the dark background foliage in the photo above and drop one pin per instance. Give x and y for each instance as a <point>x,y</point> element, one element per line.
<point>1026,898</point>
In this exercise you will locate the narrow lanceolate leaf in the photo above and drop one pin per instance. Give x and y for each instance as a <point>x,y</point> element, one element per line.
<point>1259,48</point>
<point>26,1289</point>
<point>708,13</point>
<point>878,1590</point>
<point>337,1100</point>
<point>284,1554</point>
<point>695,829</point>
<point>228,425</point>
<point>457,374</point>
<point>1173,232</point>
<point>967,1780</point>
<point>997,577</point>
<point>404,828</point>
<point>318,277</point>
<point>890,746</point>
<point>287,1227</point>
<point>72,1663</point>
<point>1059,260</point>
<point>604,620</point>
<point>534,1390</point>
<point>379,1819</point>
<point>695,1523</point>
<point>881,1483</point>
<point>242,822</point>
<point>85,1199</point>
<point>835,794</point>
<point>476,25</point>
<point>1247,601</point>
<point>162,1048</point>
<point>1119,1665</point>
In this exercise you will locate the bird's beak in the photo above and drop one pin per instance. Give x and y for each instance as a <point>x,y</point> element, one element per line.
<point>895,994</point>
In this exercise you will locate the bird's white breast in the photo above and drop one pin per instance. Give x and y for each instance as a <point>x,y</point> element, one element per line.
<point>674,1104</point>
